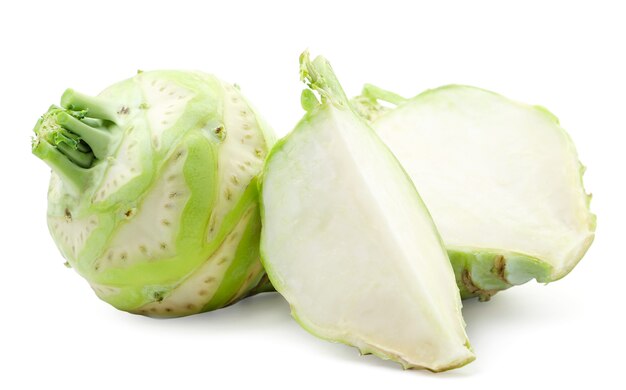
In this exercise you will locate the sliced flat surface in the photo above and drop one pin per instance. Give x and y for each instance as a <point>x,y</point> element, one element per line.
<point>494,173</point>
<point>349,244</point>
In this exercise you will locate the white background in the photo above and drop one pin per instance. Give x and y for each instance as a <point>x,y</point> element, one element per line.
<point>566,56</point>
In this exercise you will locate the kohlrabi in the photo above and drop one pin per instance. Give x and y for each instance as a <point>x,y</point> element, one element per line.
<point>153,195</point>
<point>501,180</point>
<point>348,242</point>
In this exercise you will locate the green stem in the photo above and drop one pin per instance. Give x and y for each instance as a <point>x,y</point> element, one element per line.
<point>375,93</point>
<point>69,142</point>
<point>93,122</point>
<point>96,107</point>
<point>319,76</point>
<point>82,159</point>
<point>69,172</point>
<point>98,140</point>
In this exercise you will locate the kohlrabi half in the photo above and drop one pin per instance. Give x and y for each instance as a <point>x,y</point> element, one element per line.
<point>501,180</point>
<point>348,242</point>
<point>153,195</point>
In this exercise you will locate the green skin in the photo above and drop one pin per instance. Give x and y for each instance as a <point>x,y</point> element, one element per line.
<point>86,137</point>
<point>479,272</point>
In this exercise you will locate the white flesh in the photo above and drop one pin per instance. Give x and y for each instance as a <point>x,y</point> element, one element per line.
<point>494,174</point>
<point>348,242</point>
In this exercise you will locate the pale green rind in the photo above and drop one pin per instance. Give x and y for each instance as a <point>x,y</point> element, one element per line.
<point>242,270</point>
<point>139,282</point>
<point>483,272</point>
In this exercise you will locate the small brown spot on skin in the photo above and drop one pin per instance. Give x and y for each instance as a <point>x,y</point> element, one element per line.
<point>244,112</point>
<point>97,266</point>
<point>123,256</point>
<point>110,256</point>
<point>165,222</point>
<point>228,194</point>
<point>171,178</point>
<point>202,292</point>
<point>128,213</point>
<point>168,205</point>
<point>210,279</point>
<point>242,167</point>
<point>168,309</point>
<point>171,93</point>
<point>172,195</point>
<point>123,111</point>
<point>234,179</point>
<point>161,89</point>
<point>163,246</point>
<point>68,215</point>
<point>247,136</point>
<point>190,307</point>
<point>499,265</point>
<point>222,260</point>
<point>248,163</point>
<point>258,152</point>
<point>483,295</point>
<point>212,223</point>
<point>153,309</point>
<point>143,249</point>
<point>178,155</point>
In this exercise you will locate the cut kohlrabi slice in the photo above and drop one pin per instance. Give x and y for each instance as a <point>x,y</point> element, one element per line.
<point>153,196</point>
<point>348,242</point>
<point>501,179</point>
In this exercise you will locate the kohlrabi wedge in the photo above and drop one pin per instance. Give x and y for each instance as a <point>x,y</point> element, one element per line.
<point>153,196</point>
<point>501,179</point>
<point>348,242</point>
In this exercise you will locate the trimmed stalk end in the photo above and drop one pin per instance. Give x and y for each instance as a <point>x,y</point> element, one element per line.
<point>71,139</point>
<point>318,75</point>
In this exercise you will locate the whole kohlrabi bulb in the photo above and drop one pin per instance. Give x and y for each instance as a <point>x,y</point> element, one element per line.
<point>153,195</point>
